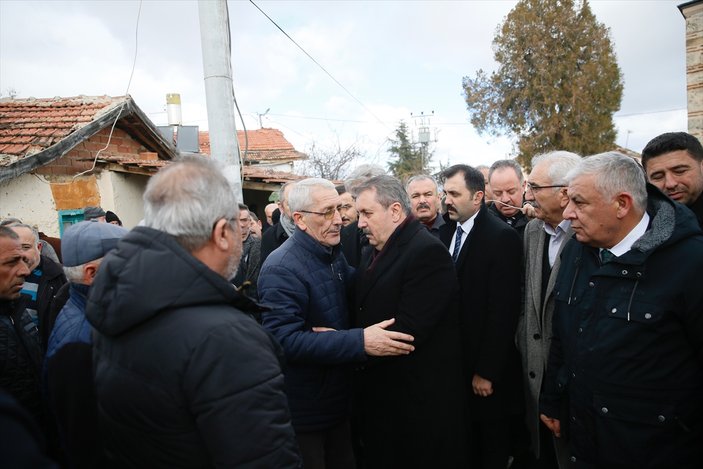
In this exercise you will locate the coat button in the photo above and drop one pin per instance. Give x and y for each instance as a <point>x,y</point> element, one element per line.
<point>613,311</point>
<point>604,410</point>
<point>532,374</point>
<point>573,375</point>
<point>647,315</point>
<point>572,459</point>
<point>591,284</point>
<point>624,272</point>
<point>536,336</point>
<point>661,418</point>
<point>573,419</point>
<point>580,330</point>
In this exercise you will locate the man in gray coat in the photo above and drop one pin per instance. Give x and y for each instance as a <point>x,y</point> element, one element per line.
<point>544,239</point>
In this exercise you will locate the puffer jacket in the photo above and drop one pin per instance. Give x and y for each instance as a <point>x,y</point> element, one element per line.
<point>304,284</point>
<point>20,356</point>
<point>625,371</point>
<point>184,377</point>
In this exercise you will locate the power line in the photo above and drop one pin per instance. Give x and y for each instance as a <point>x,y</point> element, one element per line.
<point>318,64</point>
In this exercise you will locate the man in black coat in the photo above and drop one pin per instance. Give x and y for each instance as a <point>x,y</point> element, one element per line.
<point>625,372</point>
<point>411,408</point>
<point>508,185</point>
<point>184,376</point>
<point>279,232</point>
<point>488,257</point>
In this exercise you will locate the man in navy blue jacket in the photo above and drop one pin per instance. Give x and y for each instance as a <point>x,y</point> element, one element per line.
<point>304,283</point>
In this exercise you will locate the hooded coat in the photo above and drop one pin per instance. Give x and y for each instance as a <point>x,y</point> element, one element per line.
<point>625,371</point>
<point>184,377</point>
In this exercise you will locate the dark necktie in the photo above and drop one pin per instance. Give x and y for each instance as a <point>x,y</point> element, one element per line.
<point>606,256</point>
<point>457,243</point>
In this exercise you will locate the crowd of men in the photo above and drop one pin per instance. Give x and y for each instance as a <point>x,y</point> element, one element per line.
<point>372,324</point>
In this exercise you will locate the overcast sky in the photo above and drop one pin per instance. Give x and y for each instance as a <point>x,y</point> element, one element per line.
<point>397,58</point>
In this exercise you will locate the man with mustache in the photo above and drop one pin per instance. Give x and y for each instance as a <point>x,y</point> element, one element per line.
<point>20,351</point>
<point>487,255</point>
<point>347,209</point>
<point>544,239</point>
<point>304,284</point>
<point>674,163</point>
<point>410,408</point>
<point>508,185</point>
<point>425,202</point>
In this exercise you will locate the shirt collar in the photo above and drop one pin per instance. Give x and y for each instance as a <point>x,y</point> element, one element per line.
<point>636,233</point>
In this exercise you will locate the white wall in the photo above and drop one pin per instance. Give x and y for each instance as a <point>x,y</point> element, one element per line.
<point>29,198</point>
<point>125,196</point>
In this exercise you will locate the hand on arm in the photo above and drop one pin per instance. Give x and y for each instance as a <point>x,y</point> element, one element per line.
<point>481,386</point>
<point>379,342</point>
<point>552,424</point>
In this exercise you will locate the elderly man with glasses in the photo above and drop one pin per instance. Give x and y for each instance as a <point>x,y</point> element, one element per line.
<point>544,239</point>
<point>304,284</point>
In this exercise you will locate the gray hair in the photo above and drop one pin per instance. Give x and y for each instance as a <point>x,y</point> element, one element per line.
<point>421,177</point>
<point>282,191</point>
<point>6,232</point>
<point>187,198</point>
<point>389,190</point>
<point>300,196</point>
<point>361,173</point>
<point>614,172</point>
<point>500,164</point>
<point>74,274</point>
<point>34,231</point>
<point>560,163</point>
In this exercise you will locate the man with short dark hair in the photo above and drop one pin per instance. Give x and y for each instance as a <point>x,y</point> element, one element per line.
<point>624,378</point>
<point>508,185</point>
<point>249,266</point>
<point>347,209</point>
<point>487,255</point>
<point>674,163</point>
<point>272,239</point>
<point>184,375</point>
<point>425,202</point>
<point>411,407</point>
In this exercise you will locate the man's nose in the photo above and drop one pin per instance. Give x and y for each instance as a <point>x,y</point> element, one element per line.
<point>670,181</point>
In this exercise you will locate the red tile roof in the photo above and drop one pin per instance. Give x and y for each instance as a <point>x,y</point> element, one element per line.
<point>28,126</point>
<point>265,145</point>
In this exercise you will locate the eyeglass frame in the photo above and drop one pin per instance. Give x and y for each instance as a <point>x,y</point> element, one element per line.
<point>327,214</point>
<point>534,188</point>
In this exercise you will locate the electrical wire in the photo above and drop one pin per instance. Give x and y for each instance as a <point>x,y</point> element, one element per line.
<point>126,95</point>
<point>318,64</point>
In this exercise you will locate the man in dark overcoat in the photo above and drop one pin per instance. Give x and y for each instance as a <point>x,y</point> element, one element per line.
<point>488,258</point>
<point>411,407</point>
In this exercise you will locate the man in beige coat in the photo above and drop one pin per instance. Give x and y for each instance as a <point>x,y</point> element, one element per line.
<point>544,239</point>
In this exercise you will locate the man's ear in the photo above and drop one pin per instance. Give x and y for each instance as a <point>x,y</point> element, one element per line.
<point>40,246</point>
<point>299,221</point>
<point>90,270</point>
<point>219,234</point>
<point>396,211</point>
<point>624,204</point>
<point>563,197</point>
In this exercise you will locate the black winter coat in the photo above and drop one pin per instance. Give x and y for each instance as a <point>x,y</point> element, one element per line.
<point>183,377</point>
<point>411,407</point>
<point>489,269</point>
<point>20,357</point>
<point>625,372</point>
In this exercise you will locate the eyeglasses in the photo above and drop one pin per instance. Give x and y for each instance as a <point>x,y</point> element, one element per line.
<point>328,214</point>
<point>535,187</point>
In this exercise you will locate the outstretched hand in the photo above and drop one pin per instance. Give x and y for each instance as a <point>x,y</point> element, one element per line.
<point>379,342</point>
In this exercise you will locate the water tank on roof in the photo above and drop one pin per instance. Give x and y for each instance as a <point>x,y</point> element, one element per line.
<point>173,109</point>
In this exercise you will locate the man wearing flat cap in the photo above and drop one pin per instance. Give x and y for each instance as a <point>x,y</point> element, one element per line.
<point>68,367</point>
<point>94,214</point>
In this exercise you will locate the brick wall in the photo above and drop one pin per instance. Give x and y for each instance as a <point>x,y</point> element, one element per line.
<point>80,157</point>
<point>694,67</point>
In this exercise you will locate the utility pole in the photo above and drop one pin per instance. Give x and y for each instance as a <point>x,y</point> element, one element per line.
<point>219,91</point>
<point>422,123</point>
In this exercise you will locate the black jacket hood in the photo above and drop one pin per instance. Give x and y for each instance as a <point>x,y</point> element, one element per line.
<point>147,274</point>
